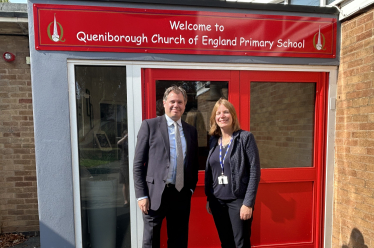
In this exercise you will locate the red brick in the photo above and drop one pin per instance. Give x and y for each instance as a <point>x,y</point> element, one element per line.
<point>25,206</point>
<point>23,173</point>
<point>368,59</point>
<point>353,166</point>
<point>19,118</point>
<point>23,77</point>
<point>25,100</point>
<point>23,195</point>
<point>366,126</point>
<point>366,142</point>
<point>364,35</point>
<point>365,18</point>
<point>8,77</point>
<point>25,112</point>
<point>351,72</point>
<point>353,150</point>
<point>368,26</point>
<point>14,190</point>
<point>13,78</point>
<point>30,178</point>
<point>364,85</point>
<point>355,63</point>
<point>30,190</point>
<point>26,217</point>
<point>31,201</point>
<point>23,184</point>
<point>346,26</point>
<point>17,83</point>
<point>14,179</point>
<point>16,212</point>
<point>15,201</point>
<point>11,134</point>
<point>359,118</point>
<point>32,222</point>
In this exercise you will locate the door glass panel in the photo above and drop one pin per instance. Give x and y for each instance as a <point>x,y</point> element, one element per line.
<point>202,95</point>
<point>282,120</point>
<point>103,156</point>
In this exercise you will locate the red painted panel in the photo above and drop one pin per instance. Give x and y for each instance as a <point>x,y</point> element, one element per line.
<point>283,213</point>
<point>289,206</point>
<point>202,229</point>
<point>95,28</point>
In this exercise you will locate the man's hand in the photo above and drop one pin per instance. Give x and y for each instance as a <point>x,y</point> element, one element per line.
<point>245,212</point>
<point>208,208</point>
<point>144,205</point>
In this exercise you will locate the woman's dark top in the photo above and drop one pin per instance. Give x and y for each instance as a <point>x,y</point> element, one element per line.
<point>221,191</point>
<point>244,165</point>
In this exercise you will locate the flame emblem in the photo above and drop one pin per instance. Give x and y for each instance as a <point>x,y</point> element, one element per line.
<point>56,37</point>
<point>320,40</point>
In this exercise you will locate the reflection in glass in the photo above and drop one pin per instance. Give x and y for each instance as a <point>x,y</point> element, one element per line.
<point>202,95</point>
<point>103,156</point>
<point>282,121</point>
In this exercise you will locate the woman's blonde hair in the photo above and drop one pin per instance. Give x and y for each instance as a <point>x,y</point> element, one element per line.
<point>214,128</point>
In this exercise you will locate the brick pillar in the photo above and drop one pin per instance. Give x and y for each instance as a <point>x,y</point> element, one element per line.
<point>353,223</point>
<point>18,195</point>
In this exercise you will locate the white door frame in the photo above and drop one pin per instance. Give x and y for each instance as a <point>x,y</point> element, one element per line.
<point>134,104</point>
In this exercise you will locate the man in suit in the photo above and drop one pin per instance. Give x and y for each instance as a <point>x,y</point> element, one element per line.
<point>165,172</point>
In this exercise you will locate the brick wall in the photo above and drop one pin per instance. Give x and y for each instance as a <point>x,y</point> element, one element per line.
<point>18,197</point>
<point>353,223</point>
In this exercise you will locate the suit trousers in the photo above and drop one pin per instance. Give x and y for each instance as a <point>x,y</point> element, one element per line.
<point>232,231</point>
<point>175,207</point>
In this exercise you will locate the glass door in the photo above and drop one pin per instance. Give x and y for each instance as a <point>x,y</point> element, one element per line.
<point>286,111</point>
<point>287,115</point>
<point>101,101</point>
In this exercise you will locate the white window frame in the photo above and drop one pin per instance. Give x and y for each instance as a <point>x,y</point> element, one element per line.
<point>134,104</point>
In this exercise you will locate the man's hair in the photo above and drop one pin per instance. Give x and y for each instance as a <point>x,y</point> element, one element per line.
<point>214,128</point>
<point>176,90</point>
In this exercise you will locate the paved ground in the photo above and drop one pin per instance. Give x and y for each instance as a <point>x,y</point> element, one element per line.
<point>33,242</point>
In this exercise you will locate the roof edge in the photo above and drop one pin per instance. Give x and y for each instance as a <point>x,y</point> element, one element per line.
<point>234,5</point>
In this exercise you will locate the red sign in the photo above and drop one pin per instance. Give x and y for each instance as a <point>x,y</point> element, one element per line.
<point>108,29</point>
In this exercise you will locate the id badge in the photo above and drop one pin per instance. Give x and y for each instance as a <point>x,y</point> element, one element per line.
<point>223,180</point>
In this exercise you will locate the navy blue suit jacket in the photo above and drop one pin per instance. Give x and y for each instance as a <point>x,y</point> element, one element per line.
<point>152,159</point>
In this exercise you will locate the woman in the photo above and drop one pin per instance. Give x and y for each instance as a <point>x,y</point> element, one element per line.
<point>232,175</point>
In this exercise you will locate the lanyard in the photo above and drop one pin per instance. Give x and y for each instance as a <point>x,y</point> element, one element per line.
<point>220,154</point>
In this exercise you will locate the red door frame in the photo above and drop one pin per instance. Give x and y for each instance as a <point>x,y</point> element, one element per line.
<point>315,173</point>
<point>239,95</point>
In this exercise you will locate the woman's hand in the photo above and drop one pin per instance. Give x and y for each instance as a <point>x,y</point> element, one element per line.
<point>208,208</point>
<point>245,212</point>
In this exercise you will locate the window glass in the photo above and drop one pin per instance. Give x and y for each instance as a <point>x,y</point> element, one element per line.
<point>101,99</point>
<point>305,2</point>
<point>282,120</point>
